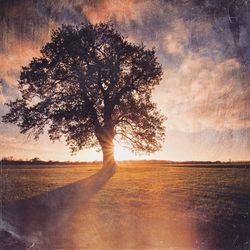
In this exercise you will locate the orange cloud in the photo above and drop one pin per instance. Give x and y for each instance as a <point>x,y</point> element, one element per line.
<point>177,38</point>
<point>18,55</point>
<point>122,10</point>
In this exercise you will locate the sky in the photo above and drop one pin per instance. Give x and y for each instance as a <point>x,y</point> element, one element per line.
<point>204,50</point>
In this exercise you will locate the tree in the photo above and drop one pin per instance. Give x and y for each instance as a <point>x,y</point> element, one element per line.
<point>35,159</point>
<point>89,86</point>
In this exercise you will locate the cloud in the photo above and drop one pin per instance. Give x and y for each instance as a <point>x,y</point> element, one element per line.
<point>204,92</point>
<point>121,10</point>
<point>207,144</point>
<point>17,55</point>
<point>177,38</point>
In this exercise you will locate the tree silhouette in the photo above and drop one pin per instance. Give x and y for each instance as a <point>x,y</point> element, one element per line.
<point>89,86</point>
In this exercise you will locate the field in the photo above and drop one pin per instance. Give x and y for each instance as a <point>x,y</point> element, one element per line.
<point>142,206</point>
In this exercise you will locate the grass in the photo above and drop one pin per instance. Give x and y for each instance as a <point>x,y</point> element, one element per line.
<point>147,205</point>
<point>21,182</point>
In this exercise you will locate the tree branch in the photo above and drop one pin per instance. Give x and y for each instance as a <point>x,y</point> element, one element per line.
<point>88,103</point>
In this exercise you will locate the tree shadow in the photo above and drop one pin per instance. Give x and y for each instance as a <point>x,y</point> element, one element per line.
<point>32,219</point>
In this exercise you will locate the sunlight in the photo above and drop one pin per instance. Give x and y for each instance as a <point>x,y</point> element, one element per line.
<point>122,153</point>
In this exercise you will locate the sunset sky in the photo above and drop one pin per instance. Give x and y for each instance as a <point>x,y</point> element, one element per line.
<point>203,46</point>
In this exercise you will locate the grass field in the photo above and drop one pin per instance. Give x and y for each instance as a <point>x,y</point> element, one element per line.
<point>145,206</point>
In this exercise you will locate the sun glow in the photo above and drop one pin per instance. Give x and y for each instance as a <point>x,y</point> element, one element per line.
<point>122,153</point>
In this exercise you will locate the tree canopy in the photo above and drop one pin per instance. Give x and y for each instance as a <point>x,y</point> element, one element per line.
<point>90,85</point>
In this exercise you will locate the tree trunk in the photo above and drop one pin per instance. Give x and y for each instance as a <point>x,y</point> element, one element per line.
<point>105,137</point>
<point>108,155</point>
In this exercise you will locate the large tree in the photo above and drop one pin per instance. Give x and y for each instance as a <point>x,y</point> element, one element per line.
<point>90,85</point>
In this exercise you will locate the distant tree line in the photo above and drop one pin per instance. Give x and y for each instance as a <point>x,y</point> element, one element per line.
<point>10,160</point>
